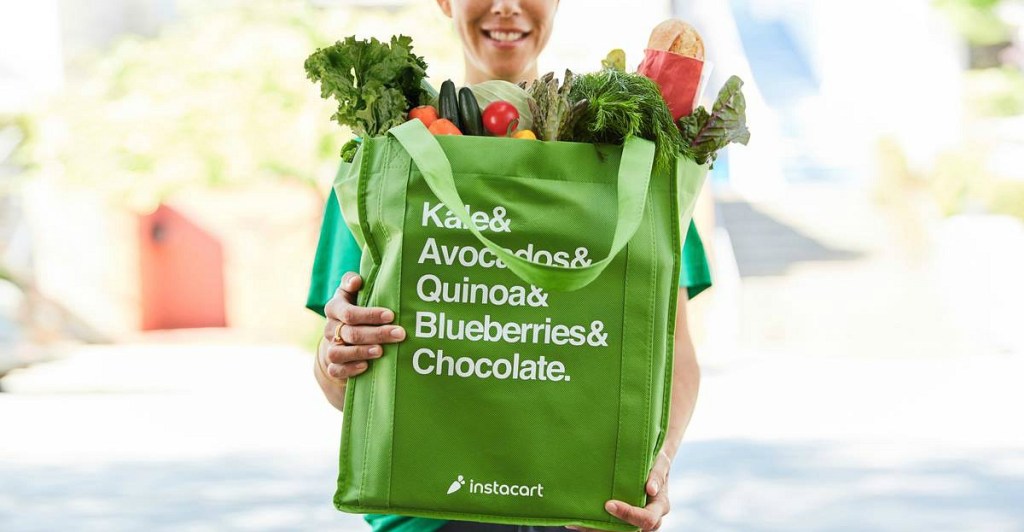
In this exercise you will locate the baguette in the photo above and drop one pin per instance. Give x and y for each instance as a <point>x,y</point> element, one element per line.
<point>676,36</point>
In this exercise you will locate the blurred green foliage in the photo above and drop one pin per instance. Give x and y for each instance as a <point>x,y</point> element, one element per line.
<point>994,92</point>
<point>218,99</point>
<point>956,179</point>
<point>16,130</point>
<point>1006,197</point>
<point>960,181</point>
<point>977,20</point>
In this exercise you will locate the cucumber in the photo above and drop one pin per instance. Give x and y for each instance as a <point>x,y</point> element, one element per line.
<point>469,113</point>
<point>448,103</point>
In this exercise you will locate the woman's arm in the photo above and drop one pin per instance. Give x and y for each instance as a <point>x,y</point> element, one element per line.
<point>353,336</point>
<point>685,380</point>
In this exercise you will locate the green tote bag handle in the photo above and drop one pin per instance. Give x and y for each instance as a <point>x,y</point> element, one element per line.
<point>634,178</point>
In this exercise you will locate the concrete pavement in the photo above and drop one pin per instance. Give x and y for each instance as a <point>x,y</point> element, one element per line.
<point>141,437</point>
<point>226,437</point>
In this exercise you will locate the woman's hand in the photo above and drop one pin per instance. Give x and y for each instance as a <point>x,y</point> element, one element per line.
<point>649,517</point>
<point>354,335</point>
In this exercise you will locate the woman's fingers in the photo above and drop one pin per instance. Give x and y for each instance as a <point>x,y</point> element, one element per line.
<point>344,354</point>
<point>351,282</point>
<point>647,518</point>
<point>350,314</point>
<point>342,307</point>
<point>355,333</point>
<point>344,371</point>
<point>371,334</point>
<point>658,478</point>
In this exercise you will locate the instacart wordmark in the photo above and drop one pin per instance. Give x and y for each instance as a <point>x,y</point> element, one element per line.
<point>497,488</point>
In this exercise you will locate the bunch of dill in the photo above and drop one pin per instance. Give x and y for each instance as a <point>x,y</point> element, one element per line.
<point>622,105</point>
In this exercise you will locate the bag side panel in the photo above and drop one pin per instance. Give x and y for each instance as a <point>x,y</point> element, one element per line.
<point>352,192</point>
<point>365,466</point>
<point>647,290</point>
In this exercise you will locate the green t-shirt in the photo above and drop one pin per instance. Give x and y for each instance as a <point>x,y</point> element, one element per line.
<point>337,253</point>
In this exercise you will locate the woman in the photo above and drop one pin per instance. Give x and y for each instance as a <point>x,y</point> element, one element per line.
<point>501,39</point>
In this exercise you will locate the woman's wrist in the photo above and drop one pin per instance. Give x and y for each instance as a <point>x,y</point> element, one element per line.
<point>670,448</point>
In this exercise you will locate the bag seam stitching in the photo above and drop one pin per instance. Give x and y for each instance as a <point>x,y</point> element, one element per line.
<point>373,387</point>
<point>350,392</point>
<point>363,190</point>
<point>480,516</point>
<point>398,347</point>
<point>535,178</point>
<point>677,265</point>
<point>618,417</point>
<point>653,280</point>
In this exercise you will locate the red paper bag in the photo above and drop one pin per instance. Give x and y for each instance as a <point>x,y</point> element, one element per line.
<point>677,76</point>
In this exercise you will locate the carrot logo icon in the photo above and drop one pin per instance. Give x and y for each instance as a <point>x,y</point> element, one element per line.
<point>457,485</point>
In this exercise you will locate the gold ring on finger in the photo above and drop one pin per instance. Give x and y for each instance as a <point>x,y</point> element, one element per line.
<point>337,333</point>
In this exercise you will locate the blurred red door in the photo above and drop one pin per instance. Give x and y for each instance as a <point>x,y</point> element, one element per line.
<point>182,273</point>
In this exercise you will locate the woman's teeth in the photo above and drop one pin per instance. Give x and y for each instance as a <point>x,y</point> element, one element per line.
<point>505,35</point>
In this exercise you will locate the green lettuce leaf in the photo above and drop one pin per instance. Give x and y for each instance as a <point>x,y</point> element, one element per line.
<point>705,133</point>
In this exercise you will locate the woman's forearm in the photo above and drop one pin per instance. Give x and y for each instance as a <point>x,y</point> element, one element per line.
<point>685,380</point>
<point>333,389</point>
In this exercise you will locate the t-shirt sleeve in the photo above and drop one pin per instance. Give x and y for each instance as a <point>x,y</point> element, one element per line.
<point>336,253</point>
<point>694,274</point>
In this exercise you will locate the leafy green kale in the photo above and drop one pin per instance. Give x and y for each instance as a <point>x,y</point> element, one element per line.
<point>374,83</point>
<point>348,151</point>
<point>705,133</point>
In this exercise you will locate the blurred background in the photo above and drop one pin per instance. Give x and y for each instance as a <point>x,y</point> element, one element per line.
<point>163,170</point>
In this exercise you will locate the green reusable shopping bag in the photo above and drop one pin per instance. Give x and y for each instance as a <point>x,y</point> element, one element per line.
<point>537,284</point>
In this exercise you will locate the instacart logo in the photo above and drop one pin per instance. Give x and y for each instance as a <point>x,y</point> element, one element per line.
<point>457,485</point>
<point>497,488</point>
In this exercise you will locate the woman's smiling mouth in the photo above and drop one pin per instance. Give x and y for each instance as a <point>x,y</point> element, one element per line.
<point>505,37</point>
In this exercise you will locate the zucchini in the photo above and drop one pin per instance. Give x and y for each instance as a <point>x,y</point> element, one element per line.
<point>469,113</point>
<point>448,103</point>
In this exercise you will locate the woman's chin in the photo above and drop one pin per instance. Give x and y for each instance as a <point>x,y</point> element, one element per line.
<point>506,69</point>
<point>512,74</point>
